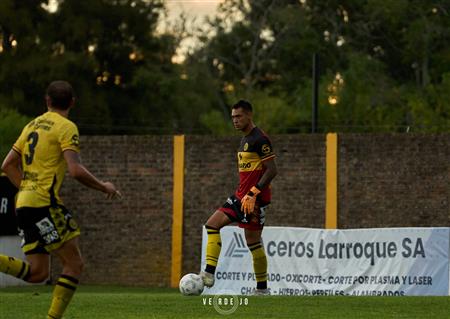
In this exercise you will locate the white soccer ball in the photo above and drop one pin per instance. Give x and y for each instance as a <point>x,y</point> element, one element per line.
<point>191,285</point>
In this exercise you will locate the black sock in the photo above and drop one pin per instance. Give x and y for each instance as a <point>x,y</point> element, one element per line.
<point>210,269</point>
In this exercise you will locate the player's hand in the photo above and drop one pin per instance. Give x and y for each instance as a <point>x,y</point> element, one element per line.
<point>111,190</point>
<point>249,200</point>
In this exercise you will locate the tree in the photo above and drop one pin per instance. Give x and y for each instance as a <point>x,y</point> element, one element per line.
<point>111,52</point>
<point>381,62</point>
<point>11,124</point>
<point>384,64</point>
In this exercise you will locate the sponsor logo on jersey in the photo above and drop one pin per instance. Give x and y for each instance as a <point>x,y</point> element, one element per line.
<point>266,149</point>
<point>245,165</point>
<point>75,141</point>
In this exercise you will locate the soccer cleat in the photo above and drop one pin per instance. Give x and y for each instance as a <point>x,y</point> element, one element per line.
<point>208,278</point>
<point>261,292</point>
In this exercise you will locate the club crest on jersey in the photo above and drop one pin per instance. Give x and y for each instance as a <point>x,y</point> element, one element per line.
<point>246,147</point>
<point>72,224</point>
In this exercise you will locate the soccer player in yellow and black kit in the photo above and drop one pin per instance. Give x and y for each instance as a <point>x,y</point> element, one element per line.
<point>36,165</point>
<point>257,168</point>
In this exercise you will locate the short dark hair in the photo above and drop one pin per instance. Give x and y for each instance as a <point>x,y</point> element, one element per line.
<point>61,94</point>
<point>244,105</point>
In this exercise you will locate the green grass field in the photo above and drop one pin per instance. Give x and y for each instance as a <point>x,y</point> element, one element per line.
<point>130,303</point>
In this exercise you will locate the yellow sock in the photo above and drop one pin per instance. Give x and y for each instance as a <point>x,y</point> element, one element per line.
<point>62,294</point>
<point>212,248</point>
<point>14,267</point>
<point>259,264</point>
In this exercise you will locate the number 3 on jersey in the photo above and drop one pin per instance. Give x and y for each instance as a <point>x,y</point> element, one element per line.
<point>32,138</point>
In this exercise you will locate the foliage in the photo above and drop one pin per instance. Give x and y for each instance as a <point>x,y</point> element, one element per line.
<point>11,124</point>
<point>111,52</point>
<point>384,65</point>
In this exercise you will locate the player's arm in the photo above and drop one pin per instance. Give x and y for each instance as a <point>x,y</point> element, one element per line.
<point>82,175</point>
<point>249,200</point>
<point>267,156</point>
<point>270,173</point>
<point>11,166</point>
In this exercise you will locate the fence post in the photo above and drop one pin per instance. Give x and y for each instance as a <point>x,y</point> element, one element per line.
<point>331,181</point>
<point>177,214</point>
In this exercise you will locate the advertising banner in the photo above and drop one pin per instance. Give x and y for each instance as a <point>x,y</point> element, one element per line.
<point>357,262</point>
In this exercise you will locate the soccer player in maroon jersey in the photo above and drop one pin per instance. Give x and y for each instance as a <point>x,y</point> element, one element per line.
<point>247,205</point>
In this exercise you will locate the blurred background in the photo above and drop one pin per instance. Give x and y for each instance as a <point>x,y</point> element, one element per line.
<point>165,67</point>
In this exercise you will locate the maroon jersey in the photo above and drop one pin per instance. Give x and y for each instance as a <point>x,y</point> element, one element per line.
<point>253,150</point>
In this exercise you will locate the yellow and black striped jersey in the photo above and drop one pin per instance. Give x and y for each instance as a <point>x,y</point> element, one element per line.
<point>41,145</point>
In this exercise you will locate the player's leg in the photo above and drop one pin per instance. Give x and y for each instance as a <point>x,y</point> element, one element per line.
<point>39,267</point>
<point>14,267</point>
<point>254,243</point>
<point>35,269</point>
<point>217,220</point>
<point>36,266</point>
<point>70,256</point>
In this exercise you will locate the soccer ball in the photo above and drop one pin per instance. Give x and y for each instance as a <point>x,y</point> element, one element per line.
<point>191,285</point>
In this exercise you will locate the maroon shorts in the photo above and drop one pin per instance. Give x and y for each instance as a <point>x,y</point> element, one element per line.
<point>255,221</point>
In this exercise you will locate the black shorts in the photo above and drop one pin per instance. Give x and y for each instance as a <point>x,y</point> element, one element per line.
<point>255,221</point>
<point>44,229</point>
